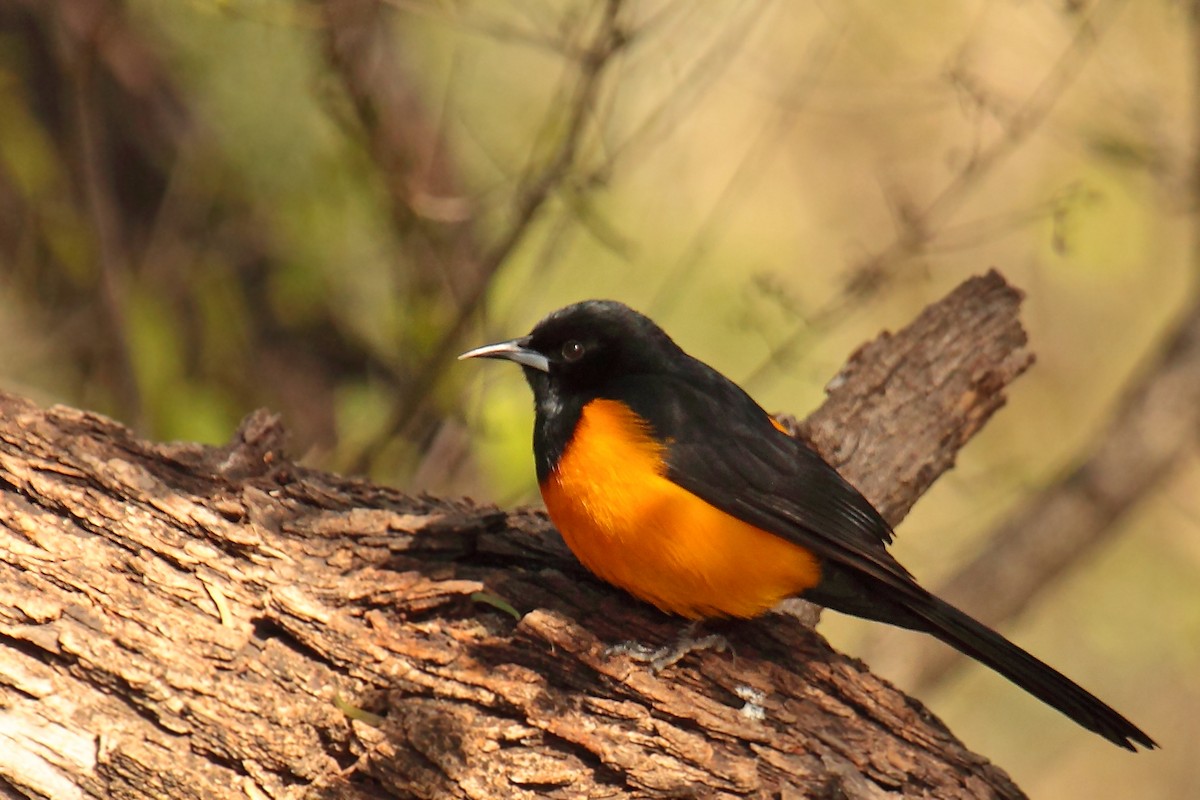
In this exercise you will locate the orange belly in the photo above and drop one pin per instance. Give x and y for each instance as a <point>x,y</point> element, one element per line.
<point>631,526</point>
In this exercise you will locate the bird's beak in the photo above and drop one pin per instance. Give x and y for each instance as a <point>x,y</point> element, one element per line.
<point>513,350</point>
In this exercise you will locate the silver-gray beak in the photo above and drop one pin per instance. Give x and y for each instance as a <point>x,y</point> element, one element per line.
<point>512,350</point>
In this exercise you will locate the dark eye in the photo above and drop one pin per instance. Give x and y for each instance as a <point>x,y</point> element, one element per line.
<point>572,350</point>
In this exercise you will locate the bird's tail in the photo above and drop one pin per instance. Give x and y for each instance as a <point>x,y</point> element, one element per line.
<point>983,644</point>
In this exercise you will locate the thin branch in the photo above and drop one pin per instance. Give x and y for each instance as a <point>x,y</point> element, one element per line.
<point>112,260</point>
<point>919,228</point>
<point>753,160</point>
<point>609,41</point>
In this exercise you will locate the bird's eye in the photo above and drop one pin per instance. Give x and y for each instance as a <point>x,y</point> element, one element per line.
<point>572,350</point>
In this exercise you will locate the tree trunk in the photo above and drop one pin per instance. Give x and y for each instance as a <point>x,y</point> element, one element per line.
<point>196,622</point>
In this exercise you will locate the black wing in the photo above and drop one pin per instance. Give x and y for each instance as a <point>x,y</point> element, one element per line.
<point>723,447</point>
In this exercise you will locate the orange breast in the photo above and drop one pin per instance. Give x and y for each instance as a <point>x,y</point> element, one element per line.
<point>631,526</point>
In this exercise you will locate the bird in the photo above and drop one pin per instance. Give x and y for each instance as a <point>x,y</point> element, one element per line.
<point>667,480</point>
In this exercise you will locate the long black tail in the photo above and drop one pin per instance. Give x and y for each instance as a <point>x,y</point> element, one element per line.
<point>1039,679</point>
<point>900,601</point>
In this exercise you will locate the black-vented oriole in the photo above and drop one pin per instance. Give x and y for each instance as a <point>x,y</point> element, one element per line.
<point>666,479</point>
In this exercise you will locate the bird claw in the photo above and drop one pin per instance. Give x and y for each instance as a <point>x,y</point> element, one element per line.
<point>659,658</point>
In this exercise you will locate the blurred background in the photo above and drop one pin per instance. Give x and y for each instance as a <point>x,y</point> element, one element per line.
<point>214,205</point>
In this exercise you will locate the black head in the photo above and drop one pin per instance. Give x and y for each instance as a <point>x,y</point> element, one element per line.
<point>582,346</point>
<point>600,348</point>
<point>579,353</point>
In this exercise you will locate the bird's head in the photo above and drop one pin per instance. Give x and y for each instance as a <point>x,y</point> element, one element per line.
<point>582,346</point>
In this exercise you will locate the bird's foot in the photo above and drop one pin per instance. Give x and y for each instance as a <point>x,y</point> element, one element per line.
<point>659,658</point>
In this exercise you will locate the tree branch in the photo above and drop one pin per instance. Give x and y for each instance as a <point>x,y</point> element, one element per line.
<point>535,190</point>
<point>1153,428</point>
<point>186,621</point>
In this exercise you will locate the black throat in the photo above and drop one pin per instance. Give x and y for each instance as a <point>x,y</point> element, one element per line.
<point>558,413</point>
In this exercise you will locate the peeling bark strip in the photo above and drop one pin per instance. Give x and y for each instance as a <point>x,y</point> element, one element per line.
<point>193,622</point>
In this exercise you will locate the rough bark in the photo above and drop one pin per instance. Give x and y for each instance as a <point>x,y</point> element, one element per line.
<point>187,621</point>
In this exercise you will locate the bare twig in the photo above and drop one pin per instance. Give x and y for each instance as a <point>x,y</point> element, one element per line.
<point>123,121</point>
<point>433,220</point>
<point>753,161</point>
<point>917,229</point>
<point>608,42</point>
<point>111,245</point>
